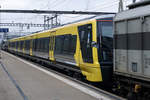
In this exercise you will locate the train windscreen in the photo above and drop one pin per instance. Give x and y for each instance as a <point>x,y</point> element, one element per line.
<point>105,40</point>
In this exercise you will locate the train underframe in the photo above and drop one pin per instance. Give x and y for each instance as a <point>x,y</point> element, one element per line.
<point>70,70</point>
<point>131,88</point>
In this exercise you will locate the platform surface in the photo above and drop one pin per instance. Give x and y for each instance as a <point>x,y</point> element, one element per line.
<point>35,84</point>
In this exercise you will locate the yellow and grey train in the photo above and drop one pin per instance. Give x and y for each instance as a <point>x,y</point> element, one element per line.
<point>84,47</point>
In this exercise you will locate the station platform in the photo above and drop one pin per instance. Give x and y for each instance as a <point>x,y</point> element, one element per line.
<point>22,80</point>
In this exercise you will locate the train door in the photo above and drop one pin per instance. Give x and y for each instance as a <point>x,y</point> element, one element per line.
<point>85,36</point>
<point>51,46</point>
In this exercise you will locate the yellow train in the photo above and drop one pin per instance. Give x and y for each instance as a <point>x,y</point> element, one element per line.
<point>83,47</point>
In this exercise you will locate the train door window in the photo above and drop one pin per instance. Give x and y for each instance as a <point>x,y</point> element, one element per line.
<point>85,35</point>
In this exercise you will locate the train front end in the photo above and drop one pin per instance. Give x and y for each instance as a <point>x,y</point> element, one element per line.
<point>96,45</point>
<point>105,47</point>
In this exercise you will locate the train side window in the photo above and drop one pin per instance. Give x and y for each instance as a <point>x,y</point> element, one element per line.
<point>72,42</point>
<point>13,44</point>
<point>42,44</point>
<point>38,44</point>
<point>47,44</point>
<point>66,44</point>
<point>27,44</point>
<point>21,45</point>
<point>41,48</point>
<point>59,42</point>
<point>16,45</point>
<point>33,45</point>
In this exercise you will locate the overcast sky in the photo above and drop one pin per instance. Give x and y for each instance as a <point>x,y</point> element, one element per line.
<point>77,5</point>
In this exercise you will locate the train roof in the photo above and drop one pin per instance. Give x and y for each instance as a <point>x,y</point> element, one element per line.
<point>66,25</point>
<point>133,13</point>
<point>93,17</point>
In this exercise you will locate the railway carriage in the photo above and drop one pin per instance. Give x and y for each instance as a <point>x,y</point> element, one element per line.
<point>83,47</point>
<point>132,50</point>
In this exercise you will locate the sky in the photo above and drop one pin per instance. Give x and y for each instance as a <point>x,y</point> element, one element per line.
<point>66,5</point>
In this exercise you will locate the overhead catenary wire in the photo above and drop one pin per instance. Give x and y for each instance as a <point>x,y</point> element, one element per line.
<point>57,3</point>
<point>63,4</point>
<point>104,5</point>
<point>112,4</point>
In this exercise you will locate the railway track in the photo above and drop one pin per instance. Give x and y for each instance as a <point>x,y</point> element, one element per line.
<point>105,94</point>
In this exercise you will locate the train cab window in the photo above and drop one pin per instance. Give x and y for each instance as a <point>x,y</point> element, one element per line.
<point>105,40</point>
<point>107,29</point>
